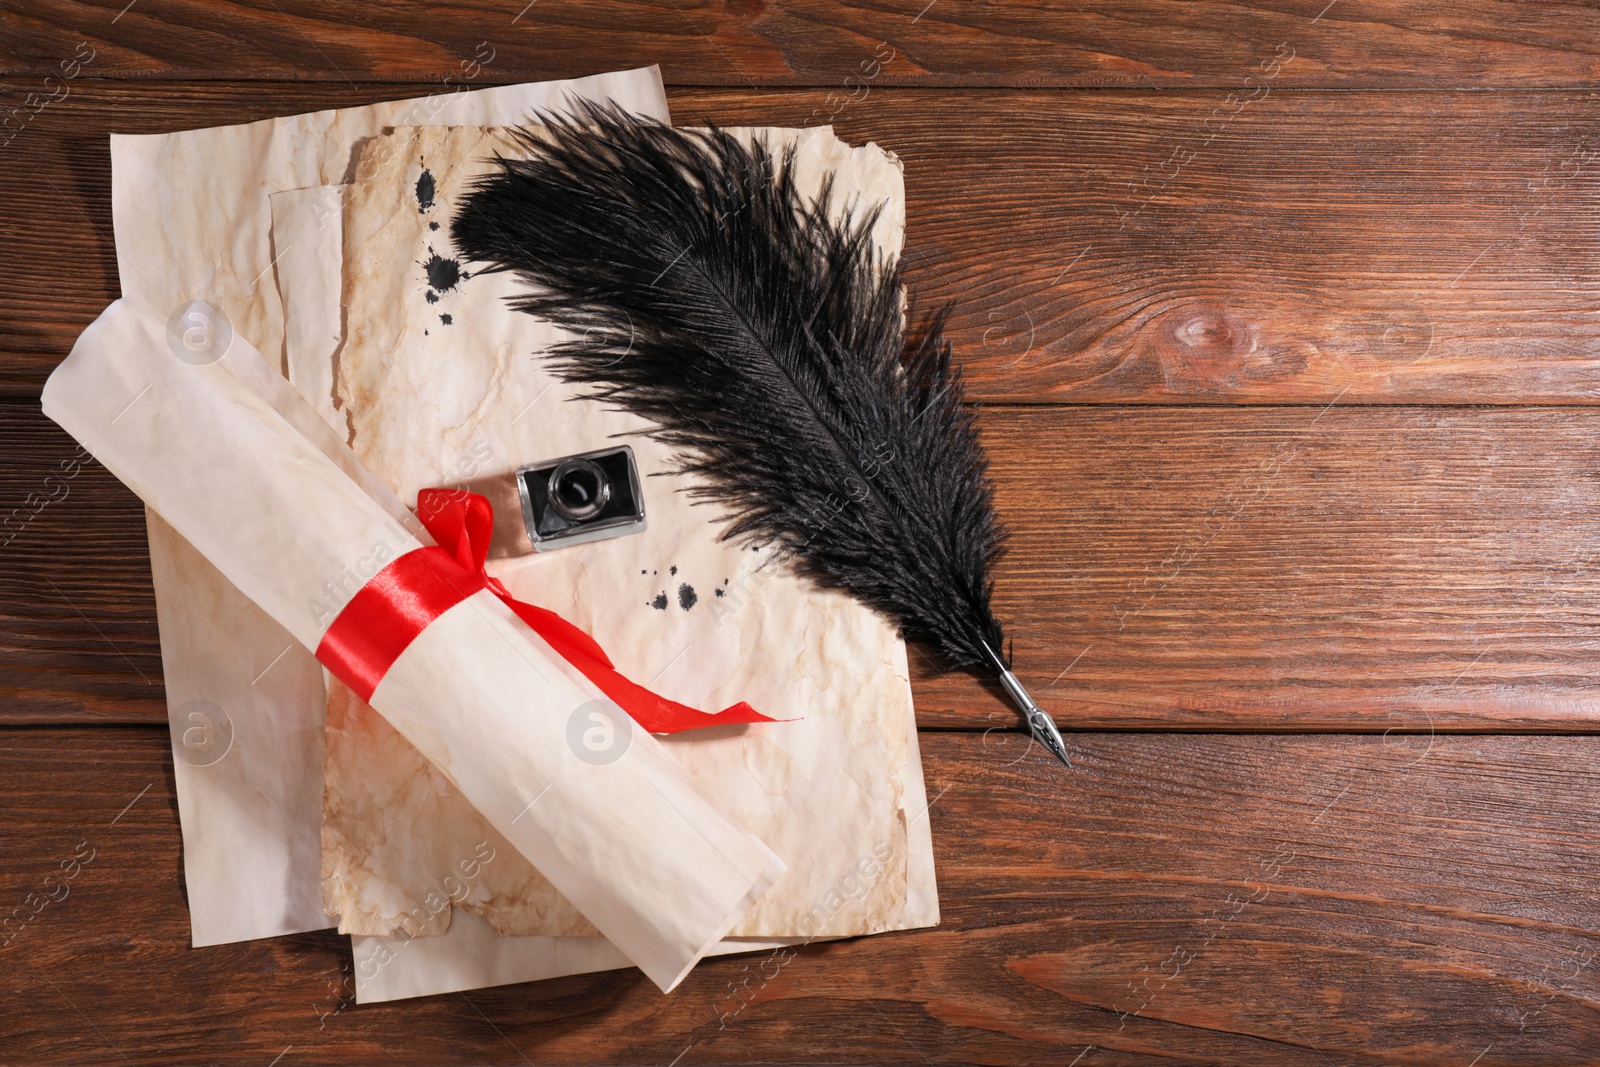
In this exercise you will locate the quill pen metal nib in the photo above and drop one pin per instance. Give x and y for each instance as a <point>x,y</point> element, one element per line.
<point>1040,725</point>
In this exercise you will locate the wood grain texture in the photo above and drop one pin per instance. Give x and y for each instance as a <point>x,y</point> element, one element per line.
<point>77,611</point>
<point>1428,248</point>
<point>1241,900</point>
<point>1366,568</point>
<point>750,43</point>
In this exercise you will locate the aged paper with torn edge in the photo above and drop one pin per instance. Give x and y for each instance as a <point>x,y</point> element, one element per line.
<point>447,390</point>
<point>470,953</point>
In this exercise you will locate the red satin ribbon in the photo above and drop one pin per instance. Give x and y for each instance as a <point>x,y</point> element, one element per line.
<point>402,599</point>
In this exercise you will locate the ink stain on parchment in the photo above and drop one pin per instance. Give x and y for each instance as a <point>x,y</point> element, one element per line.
<point>687,597</point>
<point>660,602</point>
<point>444,273</point>
<point>427,188</point>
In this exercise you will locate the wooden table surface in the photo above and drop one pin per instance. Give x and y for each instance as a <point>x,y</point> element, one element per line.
<point>1287,349</point>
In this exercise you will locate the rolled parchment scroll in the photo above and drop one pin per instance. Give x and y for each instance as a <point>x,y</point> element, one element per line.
<point>229,455</point>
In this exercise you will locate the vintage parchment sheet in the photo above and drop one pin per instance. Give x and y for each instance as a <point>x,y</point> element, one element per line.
<point>443,385</point>
<point>841,787</point>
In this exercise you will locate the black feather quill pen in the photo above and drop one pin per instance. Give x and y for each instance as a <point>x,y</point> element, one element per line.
<point>762,334</point>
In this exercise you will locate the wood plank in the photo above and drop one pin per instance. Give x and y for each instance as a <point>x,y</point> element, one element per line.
<point>1297,568</point>
<point>1247,900</point>
<point>1097,247</point>
<point>1360,568</point>
<point>1142,43</point>
<point>1373,247</point>
<point>77,611</point>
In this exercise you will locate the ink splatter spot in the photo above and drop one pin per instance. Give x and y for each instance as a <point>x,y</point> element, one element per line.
<point>674,570</point>
<point>642,571</point>
<point>721,593</point>
<point>426,188</point>
<point>433,225</point>
<point>443,274</point>
<point>433,297</point>
<point>445,318</point>
<point>660,602</point>
<point>687,598</point>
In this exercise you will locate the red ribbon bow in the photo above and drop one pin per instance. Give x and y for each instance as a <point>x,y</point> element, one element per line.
<point>402,599</point>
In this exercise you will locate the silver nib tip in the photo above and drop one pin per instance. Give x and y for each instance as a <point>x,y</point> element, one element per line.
<point>1045,732</point>
<point>1040,725</point>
